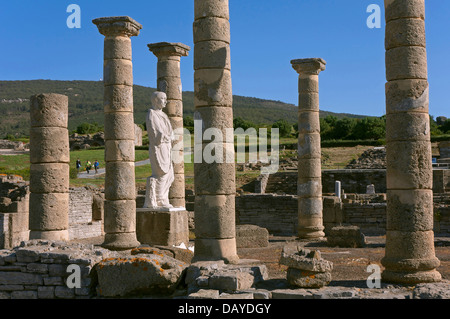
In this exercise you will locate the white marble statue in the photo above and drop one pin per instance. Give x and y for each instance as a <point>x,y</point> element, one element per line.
<point>160,135</point>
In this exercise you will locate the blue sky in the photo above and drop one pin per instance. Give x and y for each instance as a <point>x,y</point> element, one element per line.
<point>265,36</point>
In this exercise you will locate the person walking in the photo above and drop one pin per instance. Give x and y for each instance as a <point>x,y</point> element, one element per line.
<point>88,166</point>
<point>96,166</point>
<point>78,165</point>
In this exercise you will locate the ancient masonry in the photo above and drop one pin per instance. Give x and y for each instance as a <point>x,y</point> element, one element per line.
<point>120,193</point>
<point>310,224</point>
<point>169,82</point>
<point>409,255</point>
<point>49,170</point>
<point>215,187</point>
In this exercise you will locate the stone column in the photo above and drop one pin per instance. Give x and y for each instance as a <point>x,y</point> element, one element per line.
<point>409,255</point>
<point>49,170</point>
<point>310,206</point>
<point>120,191</point>
<point>169,82</point>
<point>215,187</point>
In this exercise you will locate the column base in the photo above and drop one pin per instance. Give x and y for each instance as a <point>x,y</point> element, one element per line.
<point>311,232</point>
<point>210,249</point>
<point>120,241</point>
<point>411,277</point>
<point>50,234</point>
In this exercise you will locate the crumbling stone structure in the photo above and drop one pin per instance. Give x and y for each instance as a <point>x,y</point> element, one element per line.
<point>120,191</point>
<point>310,224</point>
<point>49,170</point>
<point>215,186</point>
<point>409,255</point>
<point>169,81</point>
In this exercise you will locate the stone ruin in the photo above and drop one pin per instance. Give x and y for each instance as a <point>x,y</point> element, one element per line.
<point>38,268</point>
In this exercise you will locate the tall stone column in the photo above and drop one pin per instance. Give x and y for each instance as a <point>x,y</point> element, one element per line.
<point>49,170</point>
<point>120,191</point>
<point>215,187</point>
<point>169,82</point>
<point>309,189</point>
<point>409,255</point>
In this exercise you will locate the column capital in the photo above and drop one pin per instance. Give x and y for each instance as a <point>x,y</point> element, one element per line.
<point>118,26</point>
<point>169,49</point>
<point>309,66</point>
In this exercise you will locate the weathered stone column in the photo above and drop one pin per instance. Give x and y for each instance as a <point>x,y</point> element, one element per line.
<point>310,206</point>
<point>120,191</point>
<point>409,256</point>
<point>215,187</point>
<point>49,170</point>
<point>169,82</point>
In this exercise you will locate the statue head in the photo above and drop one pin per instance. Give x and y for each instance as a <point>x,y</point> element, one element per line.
<point>159,100</point>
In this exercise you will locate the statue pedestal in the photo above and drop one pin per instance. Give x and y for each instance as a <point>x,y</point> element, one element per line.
<point>162,226</point>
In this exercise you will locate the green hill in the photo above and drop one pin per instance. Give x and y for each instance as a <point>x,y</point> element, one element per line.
<point>86,104</point>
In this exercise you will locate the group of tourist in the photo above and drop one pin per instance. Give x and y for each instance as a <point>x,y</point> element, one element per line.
<point>88,166</point>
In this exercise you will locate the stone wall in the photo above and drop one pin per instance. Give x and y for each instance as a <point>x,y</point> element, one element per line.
<point>38,270</point>
<point>354,180</point>
<point>278,213</point>
<point>444,149</point>
<point>81,222</point>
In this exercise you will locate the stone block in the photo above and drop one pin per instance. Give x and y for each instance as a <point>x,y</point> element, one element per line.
<point>24,295</point>
<point>346,236</point>
<point>220,118</point>
<point>174,108</point>
<point>119,151</point>
<point>304,259</point>
<point>63,292</point>
<point>215,216</point>
<point>204,294</point>
<point>49,110</point>
<point>231,281</point>
<point>309,146</point>
<point>118,277</point>
<point>251,236</point>
<point>213,88</point>
<point>118,98</point>
<point>162,228</point>
<point>46,292</point>
<point>49,178</point>
<point>49,212</point>
<point>120,181</point>
<point>405,32</point>
<point>411,95</point>
<point>19,278</point>
<point>396,9</point>
<point>118,72</point>
<point>212,55</point>
<point>308,102</point>
<point>409,165</point>
<point>214,178</point>
<point>211,28</point>
<point>49,145</point>
<point>211,8</point>
<point>308,122</point>
<point>307,279</point>
<point>120,216</point>
<point>117,48</point>
<point>410,210</point>
<point>409,62</point>
<point>119,126</point>
<point>408,127</point>
<point>172,86</point>
<point>310,167</point>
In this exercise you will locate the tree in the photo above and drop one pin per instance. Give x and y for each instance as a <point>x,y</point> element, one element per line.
<point>239,122</point>
<point>284,127</point>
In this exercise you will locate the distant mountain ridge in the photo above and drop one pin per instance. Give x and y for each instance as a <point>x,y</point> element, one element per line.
<point>86,104</point>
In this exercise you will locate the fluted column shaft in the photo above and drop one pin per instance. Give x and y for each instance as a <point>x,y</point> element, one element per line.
<point>120,191</point>
<point>410,255</point>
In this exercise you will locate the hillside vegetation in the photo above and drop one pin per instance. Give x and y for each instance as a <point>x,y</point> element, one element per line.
<point>86,105</point>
